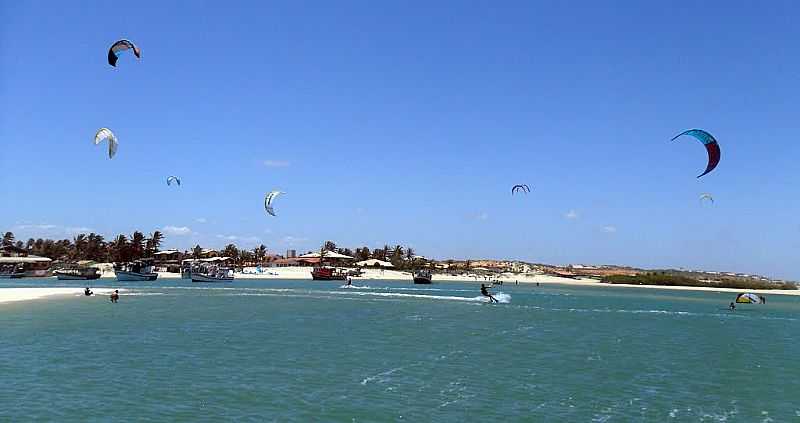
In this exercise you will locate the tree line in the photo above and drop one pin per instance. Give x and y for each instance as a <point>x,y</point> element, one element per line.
<point>91,247</point>
<point>123,248</point>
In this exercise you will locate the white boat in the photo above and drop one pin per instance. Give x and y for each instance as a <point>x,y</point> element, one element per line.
<point>77,273</point>
<point>137,271</point>
<point>211,273</point>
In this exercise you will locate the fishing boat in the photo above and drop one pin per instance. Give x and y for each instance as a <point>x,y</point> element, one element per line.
<point>186,268</point>
<point>77,273</point>
<point>12,271</point>
<point>325,273</point>
<point>422,276</point>
<point>136,271</point>
<point>211,273</point>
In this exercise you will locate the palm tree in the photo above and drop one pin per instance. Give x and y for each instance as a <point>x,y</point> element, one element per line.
<point>95,248</point>
<point>260,252</point>
<point>410,253</point>
<point>137,245</point>
<point>156,238</point>
<point>197,252</point>
<point>231,251</point>
<point>120,249</point>
<point>81,243</point>
<point>8,239</point>
<point>385,253</point>
<point>329,245</point>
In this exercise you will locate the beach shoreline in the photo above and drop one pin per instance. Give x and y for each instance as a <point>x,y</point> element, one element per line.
<point>301,274</point>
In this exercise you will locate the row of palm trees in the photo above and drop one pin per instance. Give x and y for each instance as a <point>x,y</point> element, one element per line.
<point>124,248</point>
<point>91,247</point>
<point>399,256</point>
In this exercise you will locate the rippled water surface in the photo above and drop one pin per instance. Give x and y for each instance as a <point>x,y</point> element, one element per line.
<point>392,351</point>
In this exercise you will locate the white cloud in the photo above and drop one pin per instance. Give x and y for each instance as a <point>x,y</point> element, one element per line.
<point>572,214</point>
<point>293,240</point>
<point>176,230</point>
<point>276,163</point>
<point>609,229</point>
<point>46,229</point>
<point>37,227</point>
<point>201,220</point>
<point>245,239</point>
<point>77,230</point>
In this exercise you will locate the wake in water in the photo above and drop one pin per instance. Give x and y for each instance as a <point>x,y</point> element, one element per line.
<point>355,287</point>
<point>501,297</point>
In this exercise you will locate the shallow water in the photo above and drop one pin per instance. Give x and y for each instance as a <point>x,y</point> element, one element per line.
<point>391,351</point>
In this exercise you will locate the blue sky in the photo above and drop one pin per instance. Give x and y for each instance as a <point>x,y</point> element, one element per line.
<point>409,122</point>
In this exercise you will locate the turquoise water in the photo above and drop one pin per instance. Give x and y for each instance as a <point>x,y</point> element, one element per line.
<point>307,351</point>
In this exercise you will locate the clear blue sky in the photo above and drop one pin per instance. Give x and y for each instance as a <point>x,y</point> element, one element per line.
<point>409,122</point>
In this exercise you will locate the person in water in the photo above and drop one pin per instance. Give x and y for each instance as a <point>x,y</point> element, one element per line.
<point>732,306</point>
<point>485,293</point>
<point>87,292</point>
<point>349,281</point>
<point>115,296</point>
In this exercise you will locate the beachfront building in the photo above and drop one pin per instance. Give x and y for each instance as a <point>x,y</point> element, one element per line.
<point>287,262</point>
<point>208,253</point>
<point>331,258</point>
<point>168,260</point>
<point>379,264</point>
<point>17,260</point>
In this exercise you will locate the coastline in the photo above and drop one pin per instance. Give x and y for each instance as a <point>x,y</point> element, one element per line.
<point>14,294</point>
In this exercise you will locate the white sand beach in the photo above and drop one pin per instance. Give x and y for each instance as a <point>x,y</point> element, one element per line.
<point>24,294</point>
<point>304,273</point>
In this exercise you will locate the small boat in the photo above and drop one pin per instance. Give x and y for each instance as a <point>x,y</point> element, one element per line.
<point>77,273</point>
<point>136,271</point>
<point>323,273</point>
<point>12,271</point>
<point>211,273</point>
<point>422,276</point>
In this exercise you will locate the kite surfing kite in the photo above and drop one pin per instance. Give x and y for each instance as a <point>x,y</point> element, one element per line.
<point>118,47</point>
<point>709,142</point>
<point>706,196</point>
<point>522,187</point>
<point>106,134</point>
<point>268,199</point>
<point>172,179</point>
<point>748,298</point>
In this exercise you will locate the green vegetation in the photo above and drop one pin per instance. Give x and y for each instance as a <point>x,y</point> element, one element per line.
<point>680,279</point>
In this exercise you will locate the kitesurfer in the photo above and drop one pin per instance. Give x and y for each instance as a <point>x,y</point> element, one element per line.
<point>87,292</point>
<point>485,293</point>
<point>349,281</point>
<point>115,296</point>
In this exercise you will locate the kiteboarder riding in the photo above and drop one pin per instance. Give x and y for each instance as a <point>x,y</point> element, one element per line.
<point>485,293</point>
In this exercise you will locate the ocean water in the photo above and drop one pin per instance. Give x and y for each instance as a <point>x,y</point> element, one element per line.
<point>392,351</point>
